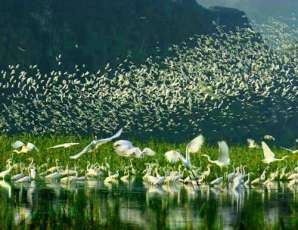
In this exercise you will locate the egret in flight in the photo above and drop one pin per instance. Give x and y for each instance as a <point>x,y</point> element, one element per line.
<point>172,156</point>
<point>223,158</point>
<point>65,145</point>
<point>125,148</point>
<point>269,156</point>
<point>195,144</point>
<point>95,144</point>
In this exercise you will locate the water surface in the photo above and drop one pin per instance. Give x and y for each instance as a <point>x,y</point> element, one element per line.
<point>92,205</point>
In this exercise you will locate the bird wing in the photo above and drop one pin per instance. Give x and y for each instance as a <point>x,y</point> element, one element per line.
<point>267,151</point>
<point>172,156</point>
<point>223,151</point>
<point>105,140</point>
<point>122,149</point>
<point>87,149</point>
<point>251,143</point>
<point>195,144</point>
<point>122,143</point>
<point>17,144</point>
<point>95,144</point>
<point>65,145</point>
<point>31,146</point>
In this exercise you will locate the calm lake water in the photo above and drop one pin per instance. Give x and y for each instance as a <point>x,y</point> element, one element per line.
<point>92,205</point>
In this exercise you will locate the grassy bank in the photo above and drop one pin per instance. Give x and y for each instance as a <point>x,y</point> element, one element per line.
<point>240,155</point>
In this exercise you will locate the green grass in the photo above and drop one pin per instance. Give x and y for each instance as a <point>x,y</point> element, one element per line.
<point>240,155</point>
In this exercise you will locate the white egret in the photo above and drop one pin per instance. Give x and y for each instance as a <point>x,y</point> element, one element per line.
<point>95,144</point>
<point>252,144</point>
<point>283,174</point>
<point>186,160</point>
<point>269,138</point>
<point>25,148</point>
<point>205,174</point>
<point>238,181</point>
<point>18,144</point>
<point>271,178</point>
<point>68,172</point>
<point>248,181</point>
<point>53,168</point>
<point>122,146</point>
<point>125,177</point>
<point>224,158</point>
<point>269,156</point>
<point>69,179</point>
<point>195,144</point>
<point>112,178</point>
<point>127,149</point>
<point>135,152</point>
<point>53,176</point>
<point>173,177</point>
<point>172,156</point>
<point>31,176</point>
<point>293,182</point>
<point>65,145</point>
<point>216,182</point>
<point>192,147</point>
<point>155,180</point>
<point>232,175</point>
<point>261,179</point>
<point>293,176</point>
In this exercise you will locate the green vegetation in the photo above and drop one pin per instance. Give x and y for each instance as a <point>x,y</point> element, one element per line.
<point>240,155</point>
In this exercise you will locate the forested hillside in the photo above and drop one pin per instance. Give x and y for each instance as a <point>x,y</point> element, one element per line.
<point>95,32</point>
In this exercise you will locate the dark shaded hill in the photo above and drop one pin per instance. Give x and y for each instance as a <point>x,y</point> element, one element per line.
<point>95,32</point>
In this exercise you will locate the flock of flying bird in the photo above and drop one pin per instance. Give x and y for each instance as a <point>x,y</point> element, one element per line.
<point>230,83</point>
<point>186,172</point>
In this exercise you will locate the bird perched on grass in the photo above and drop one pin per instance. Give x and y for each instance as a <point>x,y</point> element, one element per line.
<point>21,147</point>
<point>252,144</point>
<point>122,146</point>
